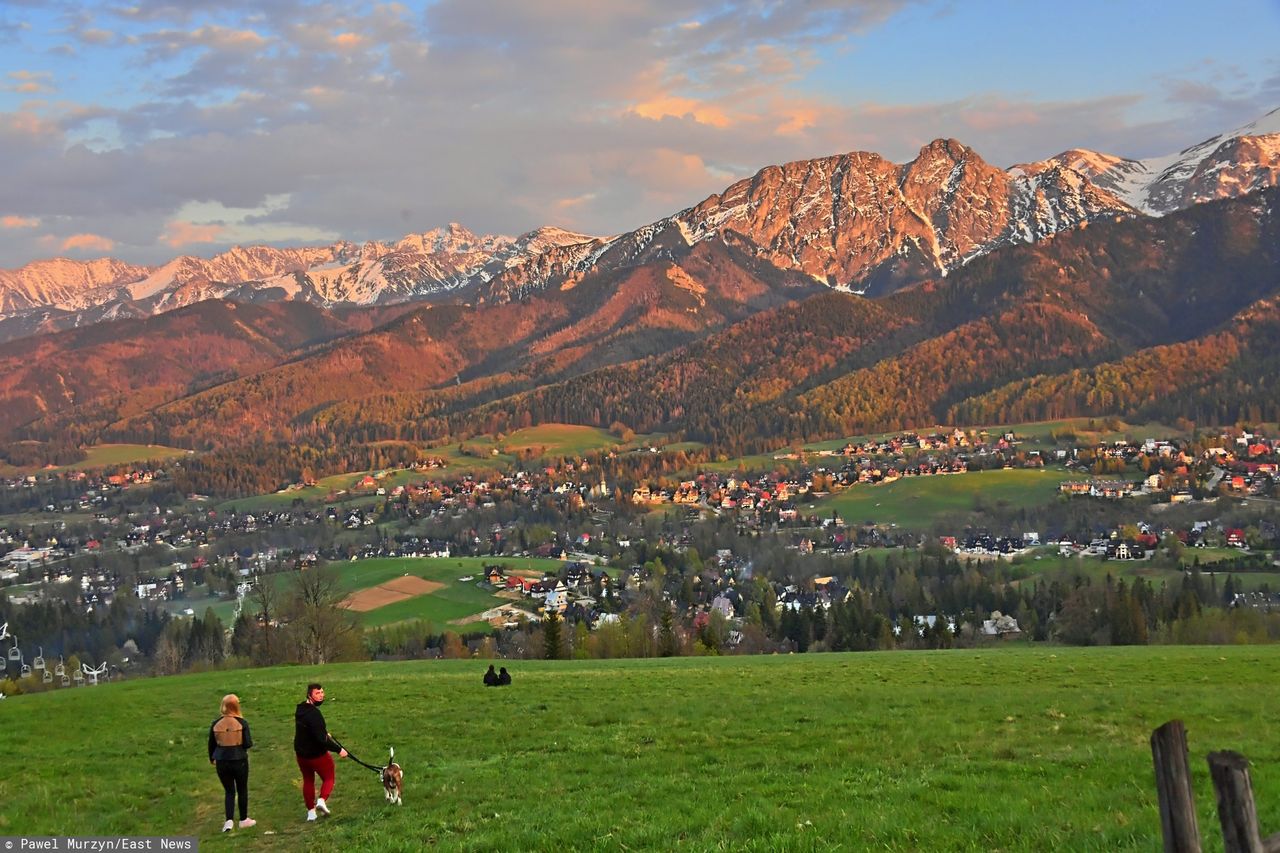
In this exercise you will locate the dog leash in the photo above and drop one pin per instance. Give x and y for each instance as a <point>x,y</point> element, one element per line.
<point>352,756</point>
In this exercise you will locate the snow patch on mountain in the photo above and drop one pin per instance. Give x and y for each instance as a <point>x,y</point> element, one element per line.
<point>1223,166</point>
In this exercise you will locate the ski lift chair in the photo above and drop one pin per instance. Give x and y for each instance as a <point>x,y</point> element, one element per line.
<point>94,673</point>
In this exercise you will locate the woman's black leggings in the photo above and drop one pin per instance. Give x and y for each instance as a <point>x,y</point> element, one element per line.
<point>234,776</point>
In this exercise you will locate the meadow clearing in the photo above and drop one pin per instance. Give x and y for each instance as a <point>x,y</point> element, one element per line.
<point>918,502</point>
<point>1047,564</point>
<point>1010,748</point>
<point>449,598</point>
<point>103,456</point>
<point>483,456</point>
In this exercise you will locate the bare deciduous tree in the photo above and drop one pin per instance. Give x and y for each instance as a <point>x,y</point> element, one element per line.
<point>265,604</point>
<point>318,623</point>
<point>167,658</point>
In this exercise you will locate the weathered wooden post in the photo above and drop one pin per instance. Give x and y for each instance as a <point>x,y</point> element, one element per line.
<point>1236,811</point>
<point>1173,787</point>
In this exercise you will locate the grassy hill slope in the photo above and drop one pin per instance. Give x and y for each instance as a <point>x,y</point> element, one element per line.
<point>1014,748</point>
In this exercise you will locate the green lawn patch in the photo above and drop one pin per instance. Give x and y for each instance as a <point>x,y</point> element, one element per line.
<point>1205,556</point>
<point>107,455</point>
<point>1048,564</point>
<point>559,439</point>
<point>1089,431</point>
<point>915,502</point>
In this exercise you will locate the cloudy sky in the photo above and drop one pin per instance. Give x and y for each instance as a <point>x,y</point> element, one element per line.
<point>145,130</point>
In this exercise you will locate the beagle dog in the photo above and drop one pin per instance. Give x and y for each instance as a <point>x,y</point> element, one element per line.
<point>393,779</point>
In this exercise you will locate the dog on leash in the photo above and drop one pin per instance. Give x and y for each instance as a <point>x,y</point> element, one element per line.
<point>393,779</point>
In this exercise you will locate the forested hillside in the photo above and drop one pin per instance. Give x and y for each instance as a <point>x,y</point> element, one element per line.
<point>1165,318</point>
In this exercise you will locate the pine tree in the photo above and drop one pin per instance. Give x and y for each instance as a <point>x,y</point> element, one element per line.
<point>551,637</point>
<point>667,634</point>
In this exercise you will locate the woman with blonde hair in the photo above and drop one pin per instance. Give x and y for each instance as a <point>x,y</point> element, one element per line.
<point>229,745</point>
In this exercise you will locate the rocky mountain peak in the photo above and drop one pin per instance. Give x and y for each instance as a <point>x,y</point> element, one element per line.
<point>853,220</point>
<point>1223,166</point>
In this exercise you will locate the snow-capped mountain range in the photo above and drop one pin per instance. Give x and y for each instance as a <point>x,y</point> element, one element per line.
<point>1223,166</point>
<point>853,221</point>
<point>416,265</point>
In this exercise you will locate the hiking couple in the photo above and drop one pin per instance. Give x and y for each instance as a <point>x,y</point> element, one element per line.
<point>230,741</point>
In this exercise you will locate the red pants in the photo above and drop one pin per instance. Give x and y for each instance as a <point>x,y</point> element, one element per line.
<point>310,766</point>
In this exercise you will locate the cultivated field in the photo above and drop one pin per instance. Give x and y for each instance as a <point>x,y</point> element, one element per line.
<point>1011,748</point>
<point>400,589</point>
<point>442,597</point>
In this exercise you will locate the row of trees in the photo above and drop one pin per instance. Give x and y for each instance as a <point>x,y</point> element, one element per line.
<point>297,618</point>
<point>293,617</point>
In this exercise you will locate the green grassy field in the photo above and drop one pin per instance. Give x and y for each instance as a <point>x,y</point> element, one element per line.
<point>105,455</point>
<point>559,439</point>
<point>1037,433</point>
<point>1034,434</point>
<point>547,440</point>
<point>316,495</point>
<point>457,600</point>
<point>1050,564</point>
<point>915,502</point>
<point>1013,748</point>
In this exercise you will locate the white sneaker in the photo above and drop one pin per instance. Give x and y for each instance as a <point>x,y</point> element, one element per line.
<point>322,807</point>
<point>226,827</point>
<point>311,814</point>
<point>247,822</point>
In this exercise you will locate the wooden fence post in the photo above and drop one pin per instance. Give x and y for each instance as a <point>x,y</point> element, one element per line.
<point>1236,811</point>
<point>1173,787</point>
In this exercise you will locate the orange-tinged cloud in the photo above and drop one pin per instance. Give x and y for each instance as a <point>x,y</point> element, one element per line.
<point>226,37</point>
<point>95,242</point>
<point>30,82</point>
<point>347,40</point>
<point>665,169</point>
<point>1000,117</point>
<point>18,222</point>
<point>563,204</point>
<point>799,119</point>
<point>179,233</point>
<point>322,94</point>
<point>29,123</point>
<point>677,107</point>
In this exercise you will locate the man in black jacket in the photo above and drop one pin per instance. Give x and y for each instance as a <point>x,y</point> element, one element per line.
<point>311,746</point>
